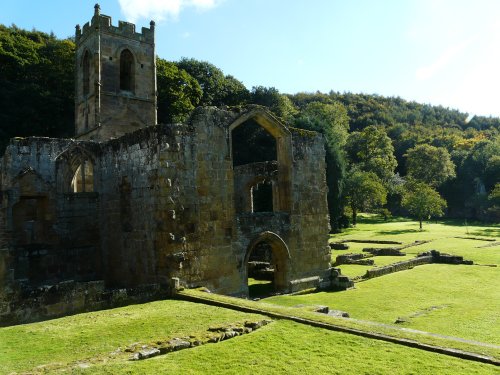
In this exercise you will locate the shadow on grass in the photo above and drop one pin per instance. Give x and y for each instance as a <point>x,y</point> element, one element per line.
<point>377,219</point>
<point>399,231</point>
<point>261,290</point>
<point>490,232</point>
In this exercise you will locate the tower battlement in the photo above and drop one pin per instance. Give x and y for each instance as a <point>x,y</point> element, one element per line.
<point>103,23</point>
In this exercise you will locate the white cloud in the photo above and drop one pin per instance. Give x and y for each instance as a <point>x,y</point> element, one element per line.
<point>160,10</point>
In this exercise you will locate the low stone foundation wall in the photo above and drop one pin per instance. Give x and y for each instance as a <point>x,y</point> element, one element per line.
<point>355,258</point>
<point>428,257</point>
<point>305,283</point>
<point>395,267</point>
<point>24,304</point>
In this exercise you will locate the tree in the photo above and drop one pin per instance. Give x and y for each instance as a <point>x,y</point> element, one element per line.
<point>494,196</point>
<point>233,92</point>
<point>209,77</point>
<point>278,103</point>
<point>363,191</point>
<point>331,120</point>
<point>422,201</point>
<point>494,200</point>
<point>217,88</point>
<point>371,150</point>
<point>36,84</point>
<point>178,92</point>
<point>429,164</point>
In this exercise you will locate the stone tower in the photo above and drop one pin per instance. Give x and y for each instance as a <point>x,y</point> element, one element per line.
<point>115,91</point>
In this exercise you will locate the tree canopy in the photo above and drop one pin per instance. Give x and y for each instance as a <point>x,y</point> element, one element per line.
<point>36,84</point>
<point>371,150</point>
<point>363,191</point>
<point>422,201</point>
<point>178,92</point>
<point>429,164</point>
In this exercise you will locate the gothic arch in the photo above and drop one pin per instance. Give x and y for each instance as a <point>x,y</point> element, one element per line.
<point>281,258</point>
<point>75,171</point>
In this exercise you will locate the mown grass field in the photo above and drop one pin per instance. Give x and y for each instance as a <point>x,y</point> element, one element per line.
<point>456,300</point>
<point>461,301</point>
<point>88,343</point>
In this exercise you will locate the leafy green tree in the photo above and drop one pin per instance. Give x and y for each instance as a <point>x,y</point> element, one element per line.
<point>494,196</point>
<point>36,84</point>
<point>233,92</point>
<point>210,78</point>
<point>331,120</point>
<point>429,164</point>
<point>178,92</point>
<point>494,199</point>
<point>278,103</point>
<point>371,150</point>
<point>217,88</point>
<point>491,173</point>
<point>422,201</point>
<point>363,191</point>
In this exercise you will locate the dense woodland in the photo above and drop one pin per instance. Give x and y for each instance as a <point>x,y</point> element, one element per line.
<point>385,155</point>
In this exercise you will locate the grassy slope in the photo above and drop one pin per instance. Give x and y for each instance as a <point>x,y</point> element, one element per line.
<point>98,333</point>
<point>63,345</point>
<point>466,307</point>
<point>461,301</point>
<point>289,348</point>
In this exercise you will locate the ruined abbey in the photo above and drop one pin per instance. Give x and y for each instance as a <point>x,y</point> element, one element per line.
<point>129,209</point>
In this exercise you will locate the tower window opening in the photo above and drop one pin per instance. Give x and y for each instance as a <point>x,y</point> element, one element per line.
<point>126,70</point>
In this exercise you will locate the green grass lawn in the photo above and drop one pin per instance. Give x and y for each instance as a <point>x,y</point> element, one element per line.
<point>442,236</point>
<point>285,347</point>
<point>85,344</point>
<point>443,299</point>
<point>91,335</point>
<point>462,301</point>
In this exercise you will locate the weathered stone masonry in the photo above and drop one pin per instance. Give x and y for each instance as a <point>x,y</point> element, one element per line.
<point>161,203</point>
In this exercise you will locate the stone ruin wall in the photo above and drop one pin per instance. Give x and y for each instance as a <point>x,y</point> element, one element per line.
<point>163,206</point>
<point>309,219</point>
<point>63,241</point>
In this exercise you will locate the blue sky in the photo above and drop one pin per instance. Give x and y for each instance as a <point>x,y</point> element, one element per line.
<point>443,52</point>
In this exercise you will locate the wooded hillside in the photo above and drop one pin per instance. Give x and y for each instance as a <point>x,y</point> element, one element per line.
<point>387,148</point>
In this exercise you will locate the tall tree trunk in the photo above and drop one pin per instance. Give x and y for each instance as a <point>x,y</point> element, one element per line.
<point>420,222</point>
<point>354,213</point>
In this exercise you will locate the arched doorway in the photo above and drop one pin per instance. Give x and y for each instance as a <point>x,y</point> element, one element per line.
<point>267,263</point>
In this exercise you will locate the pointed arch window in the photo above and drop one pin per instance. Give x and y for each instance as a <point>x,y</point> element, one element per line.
<point>126,70</point>
<point>86,73</point>
<point>83,179</point>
